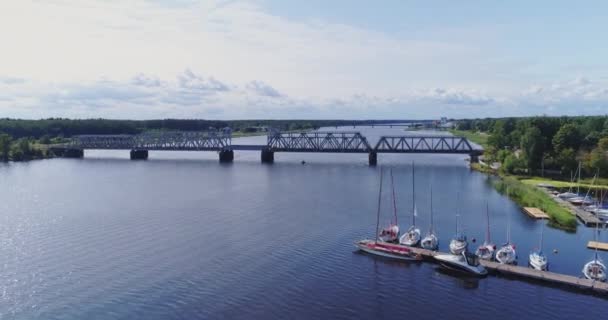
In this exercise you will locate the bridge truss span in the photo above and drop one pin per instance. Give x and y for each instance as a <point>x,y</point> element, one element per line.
<point>187,141</point>
<point>319,141</point>
<point>424,144</point>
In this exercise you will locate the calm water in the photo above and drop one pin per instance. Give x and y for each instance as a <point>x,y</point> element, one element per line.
<point>182,237</point>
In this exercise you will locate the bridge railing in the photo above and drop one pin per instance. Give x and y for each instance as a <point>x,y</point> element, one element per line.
<point>318,141</point>
<point>162,140</point>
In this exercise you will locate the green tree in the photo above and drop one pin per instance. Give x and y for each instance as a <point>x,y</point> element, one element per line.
<point>567,161</point>
<point>566,137</point>
<point>5,146</point>
<point>532,143</point>
<point>597,160</point>
<point>603,144</point>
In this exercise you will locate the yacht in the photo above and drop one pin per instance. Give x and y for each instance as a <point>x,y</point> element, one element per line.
<point>486,250</point>
<point>430,241</point>
<point>465,262</point>
<point>537,259</point>
<point>412,236</point>
<point>507,254</point>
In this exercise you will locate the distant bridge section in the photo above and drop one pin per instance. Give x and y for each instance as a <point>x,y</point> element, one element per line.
<point>312,141</point>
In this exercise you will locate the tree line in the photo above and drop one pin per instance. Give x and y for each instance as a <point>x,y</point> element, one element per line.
<point>545,144</point>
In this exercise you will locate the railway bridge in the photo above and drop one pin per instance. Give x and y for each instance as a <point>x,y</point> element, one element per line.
<point>311,141</point>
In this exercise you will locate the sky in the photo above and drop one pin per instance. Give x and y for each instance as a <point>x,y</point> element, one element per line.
<point>314,59</point>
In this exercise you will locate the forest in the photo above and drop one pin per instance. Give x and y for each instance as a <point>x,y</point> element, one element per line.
<point>544,145</point>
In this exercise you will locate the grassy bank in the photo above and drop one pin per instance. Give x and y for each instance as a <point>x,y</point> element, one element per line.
<point>600,184</point>
<point>477,137</point>
<point>527,195</point>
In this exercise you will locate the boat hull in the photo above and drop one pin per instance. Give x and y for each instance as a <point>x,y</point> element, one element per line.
<point>506,255</point>
<point>458,263</point>
<point>386,250</point>
<point>430,242</point>
<point>410,238</point>
<point>537,262</point>
<point>595,270</point>
<point>457,247</point>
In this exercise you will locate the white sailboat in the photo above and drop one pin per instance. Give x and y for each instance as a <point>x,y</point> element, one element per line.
<point>595,269</point>
<point>506,254</point>
<point>537,259</point>
<point>430,240</point>
<point>486,250</point>
<point>458,245</point>
<point>391,233</point>
<point>587,199</point>
<point>412,236</point>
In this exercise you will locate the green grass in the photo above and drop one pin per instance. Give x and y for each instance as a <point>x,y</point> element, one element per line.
<point>527,195</point>
<point>477,137</point>
<point>585,184</point>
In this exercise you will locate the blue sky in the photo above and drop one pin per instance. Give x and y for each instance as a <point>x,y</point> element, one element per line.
<point>302,59</point>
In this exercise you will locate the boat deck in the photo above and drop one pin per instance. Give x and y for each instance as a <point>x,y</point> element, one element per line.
<point>597,245</point>
<point>529,273</point>
<point>535,213</point>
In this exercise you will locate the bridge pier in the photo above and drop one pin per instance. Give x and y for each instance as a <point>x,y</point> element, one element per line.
<point>373,158</point>
<point>137,154</point>
<point>267,156</point>
<point>474,158</point>
<point>72,153</point>
<point>226,156</point>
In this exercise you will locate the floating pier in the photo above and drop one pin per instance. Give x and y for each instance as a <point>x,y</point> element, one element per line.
<point>528,273</point>
<point>597,245</point>
<point>535,213</point>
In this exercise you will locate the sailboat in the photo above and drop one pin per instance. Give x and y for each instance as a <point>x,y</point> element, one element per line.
<point>537,259</point>
<point>459,243</point>
<point>569,194</point>
<point>595,269</point>
<point>506,254</point>
<point>586,200</point>
<point>430,241</point>
<point>412,236</point>
<point>486,250</point>
<point>377,247</point>
<point>391,233</point>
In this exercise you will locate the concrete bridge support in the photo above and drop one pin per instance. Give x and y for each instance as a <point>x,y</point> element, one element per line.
<point>226,156</point>
<point>73,153</point>
<point>139,154</point>
<point>267,156</point>
<point>474,158</point>
<point>373,158</point>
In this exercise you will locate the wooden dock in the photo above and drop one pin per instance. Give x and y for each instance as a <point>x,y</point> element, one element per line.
<point>529,273</point>
<point>587,218</point>
<point>597,245</point>
<point>535,213</point>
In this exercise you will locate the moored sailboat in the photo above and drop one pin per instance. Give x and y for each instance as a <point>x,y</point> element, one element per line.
<point>459,243</point>
<point>430,240</point>
<point>569,194</point>
<point>391,233</point>
<point>380,248</point>
<point>537,259</point>
<point>486,250</point>
<point>595,269</point>
<point>507,254</point>
<point>412,236</point>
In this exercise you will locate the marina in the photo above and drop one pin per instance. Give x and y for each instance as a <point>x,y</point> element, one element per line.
<point>517,271</point>
<point>586,217</point>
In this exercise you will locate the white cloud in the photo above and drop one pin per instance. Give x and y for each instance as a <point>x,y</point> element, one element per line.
<point>232,59</point>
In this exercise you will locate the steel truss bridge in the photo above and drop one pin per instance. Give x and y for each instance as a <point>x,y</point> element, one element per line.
<point>312,141</point>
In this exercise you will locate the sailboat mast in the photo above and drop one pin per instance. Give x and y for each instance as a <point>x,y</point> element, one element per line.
<point>413,195</point>
<point>379,202</point>
<point>578,183</point>
<point>394,198</point>
<point>431,208</point>
<point>487,223</point>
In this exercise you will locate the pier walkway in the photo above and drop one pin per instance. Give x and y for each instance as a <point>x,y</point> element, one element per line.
<point>529,273</point>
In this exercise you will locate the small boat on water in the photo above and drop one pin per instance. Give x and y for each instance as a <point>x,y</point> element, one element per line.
<point>465,262</point>
<point>581,201</point>
<point>537,259</point>
<point>430,240</point>
<point>412,236</point>
<point>459,244</point>
<point>391,233</point>
<point>507,254</point>
<point>486,250</point>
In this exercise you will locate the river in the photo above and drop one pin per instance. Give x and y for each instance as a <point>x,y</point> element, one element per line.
<point>181,236</point>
